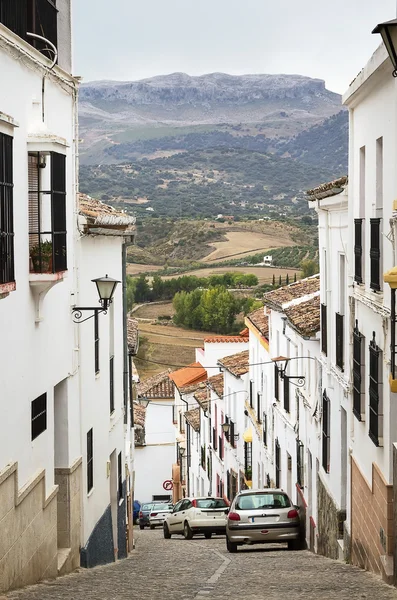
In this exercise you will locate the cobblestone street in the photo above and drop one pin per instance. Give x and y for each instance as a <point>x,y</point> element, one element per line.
<point>202,569</point>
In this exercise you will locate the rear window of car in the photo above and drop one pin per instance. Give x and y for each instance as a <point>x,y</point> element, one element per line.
<point>147,507</point>
<point>211,503</point>
<point>162,507</point>
<point>258,501</point>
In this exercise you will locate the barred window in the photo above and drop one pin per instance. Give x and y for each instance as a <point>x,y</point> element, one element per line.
<point>276,382</point>
<point>39,416</point>
<point>277,463</point>
<point>324,340</point>
<point>326,432</point>
<point>6,210</point>
<point>358,250</point>
<point>375,254</point>
<point>286,394</point>
<point>375,399</point>
<point>358,373</point>
<point>90,460</point>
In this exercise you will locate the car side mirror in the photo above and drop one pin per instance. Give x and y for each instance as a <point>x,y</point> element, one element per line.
<point>227,510</point>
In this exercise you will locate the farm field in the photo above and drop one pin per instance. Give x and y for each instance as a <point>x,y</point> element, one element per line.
<point>136,269</point>
<point>264,274</point>
<point>240,243</point>
<point>154,310</point>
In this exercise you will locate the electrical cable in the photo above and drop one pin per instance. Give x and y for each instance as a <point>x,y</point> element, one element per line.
<point>154,362</point>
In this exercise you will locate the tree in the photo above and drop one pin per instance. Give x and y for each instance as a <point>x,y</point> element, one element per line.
<point>287,279</point>
<point>274,280</point>
<point>142,289</point>
<point>309,267</point>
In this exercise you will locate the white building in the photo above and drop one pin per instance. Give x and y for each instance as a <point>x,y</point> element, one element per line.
<point>155,450</point>
<point>60,434</point>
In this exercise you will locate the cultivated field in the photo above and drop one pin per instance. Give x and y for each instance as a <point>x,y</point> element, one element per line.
<point>135,269</point>
<point>240,243</point>
<point>154,310</point>
<point>264,274</point>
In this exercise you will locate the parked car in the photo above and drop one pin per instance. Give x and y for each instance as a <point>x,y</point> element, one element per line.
<point>191,516</point>
<point>136,509</point>
<point>260,517</point>
<point>145,512</point>
<point>158,513</point>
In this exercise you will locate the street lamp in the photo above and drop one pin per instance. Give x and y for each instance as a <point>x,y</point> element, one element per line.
<point>388,31</point>
<point>106,287</point>
<point>226,429</point>
<point>143,401</point>
<point>282,363</point>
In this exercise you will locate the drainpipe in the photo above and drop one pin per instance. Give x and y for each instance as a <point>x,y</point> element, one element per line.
<point>125,347</point>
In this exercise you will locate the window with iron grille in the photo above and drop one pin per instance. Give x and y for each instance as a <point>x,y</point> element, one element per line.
<point>33,16</point>
<point>39,416</point>
<point>358,250</point>
<point>214,439</point>
<point>6,210</point>
<point>358,372</point>
<point>227,434</point>
<point>174,418</point>
<point>251,394</point>
<point>120,476</point>
<point>259,407</point>
<point>375,408</point>
<point>374,254</point>
<point>90,460</point>
<point>220,446</point>
<point>203,465</point>
<point>111,383</point>
<point>326,426</point>
<point>277,463</point>
<point>276,382</point>
<point>96,342</point>
<point>47,212</point>
<point>286,393</point>
<point>339,346</point>
<point>265,429</point>
<point>232,439</point>
<point>324,341</point>
<point>248,460</point>
<point>300,463</point>
<point>181,423</point>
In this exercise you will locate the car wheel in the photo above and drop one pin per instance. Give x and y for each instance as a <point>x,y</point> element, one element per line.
<point>208,535</point>
<point>293,545</point>
<point>187,532</point>
<point>231,546</point>
<point>166,532</point>
<point>141,526</point>
<point>151,526</point>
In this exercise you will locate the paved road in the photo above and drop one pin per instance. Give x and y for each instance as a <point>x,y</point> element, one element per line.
<point>201,569</point>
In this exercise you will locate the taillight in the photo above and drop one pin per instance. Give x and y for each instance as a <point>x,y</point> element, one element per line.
<point>194,503</point>
<point>293,514</point>
<point>140,514</point>
<point>233,516</point>
<point>153,514</point>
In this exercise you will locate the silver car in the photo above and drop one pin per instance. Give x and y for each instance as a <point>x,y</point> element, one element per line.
<point>260,517</point>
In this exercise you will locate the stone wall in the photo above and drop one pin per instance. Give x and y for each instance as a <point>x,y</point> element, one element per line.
<point>372,529</point>
<point>69,513</point>
<point>28,530</point>
<point>99,549</point>
<point>329,523</point>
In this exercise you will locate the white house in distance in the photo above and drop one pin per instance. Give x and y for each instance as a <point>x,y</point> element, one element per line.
<point>155,451</point>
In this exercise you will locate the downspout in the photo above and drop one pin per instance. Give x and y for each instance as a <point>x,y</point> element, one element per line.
<point>125,346</point>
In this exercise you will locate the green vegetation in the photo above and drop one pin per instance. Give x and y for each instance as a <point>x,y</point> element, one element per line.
<point>214,309</point>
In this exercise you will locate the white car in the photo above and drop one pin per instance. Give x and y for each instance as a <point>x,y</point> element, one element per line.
<point>191,516</point>
<point>159,513</point>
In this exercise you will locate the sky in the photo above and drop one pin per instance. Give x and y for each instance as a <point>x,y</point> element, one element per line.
<point>126,40</point>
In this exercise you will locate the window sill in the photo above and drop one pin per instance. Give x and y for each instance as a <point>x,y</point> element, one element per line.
<point>7,288</point>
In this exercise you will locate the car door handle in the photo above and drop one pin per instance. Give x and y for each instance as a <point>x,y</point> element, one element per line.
<point>183,512</point>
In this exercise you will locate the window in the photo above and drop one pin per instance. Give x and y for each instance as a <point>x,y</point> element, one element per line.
<point>324,341</point>
<point>232,438</point>
<point>111,383</point>
<point>220,446</point>
<point>379,173</point>
<point>259,407</point>
<point>90,460</point>
<point>251,394</point>
<point>35,16</point>
<point>277,463</point>
<point>47,212</point>
<point>374,254</point>
<point>120,476</point>
<point>375,409</point>
<point>248,460</point>
<point>39,416</point>
<point>6,210</point>
<point>96,342</point>
<point>181,423</point>
<point>358,250</point>
<point>286,393</point>
<point>214,439</point>
<point>326,432</point>
<point>202,461</point>
<point>174,418</point>
<point>276,382</point>
<point>358,372</point>
<point>300,463</point>
<point>263,500</point>
<point>264,429</point>
<point>339,347</point>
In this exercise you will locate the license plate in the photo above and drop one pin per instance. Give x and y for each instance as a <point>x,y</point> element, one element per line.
<point>264,519</point>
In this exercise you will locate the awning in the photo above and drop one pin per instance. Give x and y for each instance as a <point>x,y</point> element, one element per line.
<point>247,435</point>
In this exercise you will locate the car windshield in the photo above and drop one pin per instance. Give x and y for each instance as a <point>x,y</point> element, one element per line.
<point>258,501</point>
<point>211,503</point>
<point>147,507</point>
<point>158,507</point>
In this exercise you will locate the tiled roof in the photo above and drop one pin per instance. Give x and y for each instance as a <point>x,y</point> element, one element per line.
<point>236,364</point>
<point>202,395</point>
<point>103,216</point>
<point>216,382</point>
<point>227,339</point>
<point>139,414</point>
<point>244,332</point>
<point>260,321</point>
<point>158,386</point>
<point>305,287</point>
<point>188,375</point>
<point>193,418</point>
<point>332,188</point>
<point>132,335</point>
<point>305,317</point>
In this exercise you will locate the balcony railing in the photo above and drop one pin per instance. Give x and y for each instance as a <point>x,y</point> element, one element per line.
<point>339,323</point>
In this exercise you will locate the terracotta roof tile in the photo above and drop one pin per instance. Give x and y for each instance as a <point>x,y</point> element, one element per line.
<point>189,375</point>
<point>202,395</point>
<point>216,382</point>
<point>236,364</point>
<point>139,414</point>
<point>260,321</point>
<point>305,287</point>
<point>132,335</point>
<point>102,215</point>
<point>193,418</point>
<point>158,386</point>
<point>225,339</point>
<point>305,317</point>
<point>332,188</point>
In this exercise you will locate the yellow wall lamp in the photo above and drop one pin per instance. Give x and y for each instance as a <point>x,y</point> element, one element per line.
<point>390,277</point>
